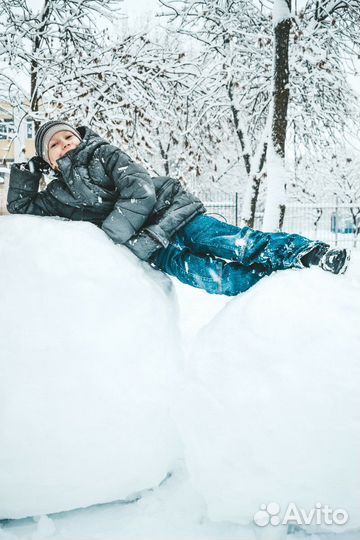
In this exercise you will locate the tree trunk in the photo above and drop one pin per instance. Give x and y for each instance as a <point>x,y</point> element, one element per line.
<point>34,74</point>
<point>253,186</point>
<point>238,129</point>
<point>275,199</point>
<point>164,154</point>
<point>252,193</point>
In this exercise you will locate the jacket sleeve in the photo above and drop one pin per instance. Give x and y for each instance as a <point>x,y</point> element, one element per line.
<point>143,245</point>
<point>136,194</point>
<point>23,195</point>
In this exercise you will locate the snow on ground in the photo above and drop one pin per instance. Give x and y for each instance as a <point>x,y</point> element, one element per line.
<point>84,392</point>
<point>238,455</point>
<point>274,379</point>
<point>174,510</point>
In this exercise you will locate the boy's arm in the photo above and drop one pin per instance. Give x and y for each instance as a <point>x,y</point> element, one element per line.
<point>136,194</point>
<point>23,196</point>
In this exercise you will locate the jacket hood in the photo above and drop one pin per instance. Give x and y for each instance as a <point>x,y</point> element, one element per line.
<point>87,134</point>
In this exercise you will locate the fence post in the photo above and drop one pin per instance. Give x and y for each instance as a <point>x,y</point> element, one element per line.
<point>236,207</point>
<point>336,220</point>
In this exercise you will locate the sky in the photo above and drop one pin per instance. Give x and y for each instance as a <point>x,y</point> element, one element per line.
<point>138,13</point>
<point>133,8</point>
<point>136,8</point>
<point>142,12</point>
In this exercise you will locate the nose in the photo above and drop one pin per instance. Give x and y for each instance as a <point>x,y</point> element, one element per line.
<point>65,144</point>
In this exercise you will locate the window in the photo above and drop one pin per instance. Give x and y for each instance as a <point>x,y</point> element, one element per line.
<point>7,129</point>
<point>29,129</point>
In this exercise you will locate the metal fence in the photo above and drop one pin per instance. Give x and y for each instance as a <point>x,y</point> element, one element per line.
<point>223,206</point>
<point>334,223</point>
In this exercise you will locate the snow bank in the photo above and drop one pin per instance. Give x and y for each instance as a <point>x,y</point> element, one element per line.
<point>271,409</point>
<point>87,344</point>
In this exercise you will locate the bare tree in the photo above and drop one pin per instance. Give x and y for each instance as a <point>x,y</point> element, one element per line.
<point>143,97</point>
<point>233,37</point>
<point>44,47</point>
<point>304,88</point>
<point>276,175</point>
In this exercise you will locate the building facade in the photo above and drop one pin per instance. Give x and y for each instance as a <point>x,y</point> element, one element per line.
<point>12,147</point>
<point>8,135</point>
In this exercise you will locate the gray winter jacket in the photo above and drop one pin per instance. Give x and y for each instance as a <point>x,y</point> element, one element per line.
<point>100,183</point>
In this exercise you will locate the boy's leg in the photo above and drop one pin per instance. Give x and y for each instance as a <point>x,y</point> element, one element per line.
<point>215,276</point>
<point>273,251</point>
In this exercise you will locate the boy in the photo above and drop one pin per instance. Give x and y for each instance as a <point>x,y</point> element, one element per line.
<point>155,217</point>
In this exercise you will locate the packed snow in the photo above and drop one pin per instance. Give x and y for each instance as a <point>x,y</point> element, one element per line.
<point>188,434</point>
<point>281,11</point>
<point>88,349</point>
<point>274,380</point>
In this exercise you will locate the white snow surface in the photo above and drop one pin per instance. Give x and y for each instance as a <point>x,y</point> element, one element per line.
<point>274,380</point>
<point>277,177</point>
<point>95,391</point>
<point>281,12</point>
<point>88,346</point>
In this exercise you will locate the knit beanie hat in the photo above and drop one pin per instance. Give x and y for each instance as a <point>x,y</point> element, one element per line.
<point>46,131</point>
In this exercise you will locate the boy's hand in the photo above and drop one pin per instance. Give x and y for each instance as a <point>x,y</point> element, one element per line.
<point>37,164</point>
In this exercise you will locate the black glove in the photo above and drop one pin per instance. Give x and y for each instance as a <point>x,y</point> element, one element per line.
<point>37,164</point>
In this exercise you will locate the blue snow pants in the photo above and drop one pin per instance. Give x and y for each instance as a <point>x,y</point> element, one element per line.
<point>224,259</point>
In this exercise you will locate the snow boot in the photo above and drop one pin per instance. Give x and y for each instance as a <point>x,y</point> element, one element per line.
<point>313,257</point>
<point>335,261</point>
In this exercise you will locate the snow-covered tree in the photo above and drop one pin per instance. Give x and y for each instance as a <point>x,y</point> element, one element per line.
<point>233,37</point>
<point>143,97</point>
<point>43,47</point>
<point>132,90</point>
<point>278,118</point>
<point>238,40</point>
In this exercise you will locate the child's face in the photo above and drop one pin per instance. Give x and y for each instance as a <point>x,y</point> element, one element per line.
<point>60,144</point>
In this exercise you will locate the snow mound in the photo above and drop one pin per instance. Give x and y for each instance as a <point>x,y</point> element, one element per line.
<point>88,349</point>
<point>271,408</point>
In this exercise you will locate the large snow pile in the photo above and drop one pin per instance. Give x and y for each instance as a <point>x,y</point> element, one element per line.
<point>87,363</point>
<point>274,380</point>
